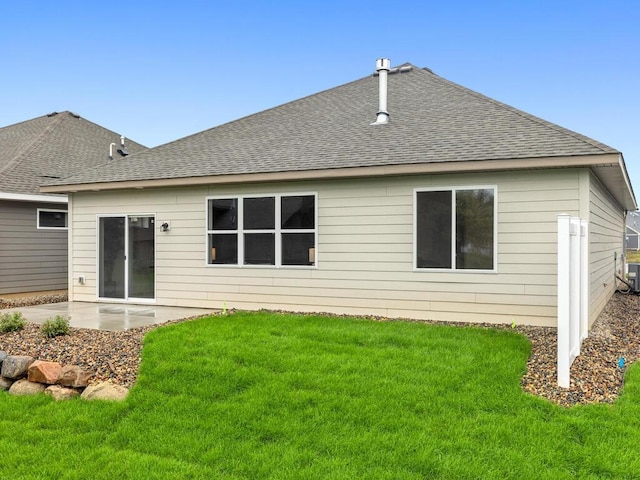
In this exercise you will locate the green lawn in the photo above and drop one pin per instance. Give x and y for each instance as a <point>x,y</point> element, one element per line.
<point>633,256</point>
<point>259,395</point>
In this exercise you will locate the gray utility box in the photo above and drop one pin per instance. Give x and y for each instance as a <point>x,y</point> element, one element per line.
<point>634,276</point>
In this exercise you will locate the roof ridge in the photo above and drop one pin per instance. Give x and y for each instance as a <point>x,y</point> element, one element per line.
<point>94,124</point>
<point>22,154</point>
<point>528,116</point>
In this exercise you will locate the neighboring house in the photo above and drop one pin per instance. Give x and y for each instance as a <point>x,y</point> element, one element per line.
<point>446,212</point>
<point>33,238</point>
<point>633,231</point>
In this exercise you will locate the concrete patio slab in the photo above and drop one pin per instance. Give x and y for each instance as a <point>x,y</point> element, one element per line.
<point>108,316</point>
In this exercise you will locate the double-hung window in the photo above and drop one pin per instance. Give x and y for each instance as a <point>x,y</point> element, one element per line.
<point>455,228</point>
<point>277,230</point>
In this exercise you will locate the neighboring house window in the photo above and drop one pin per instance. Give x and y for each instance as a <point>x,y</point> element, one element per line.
<point>455,228</point>
<point>277,230</point>
<point>56,219</point>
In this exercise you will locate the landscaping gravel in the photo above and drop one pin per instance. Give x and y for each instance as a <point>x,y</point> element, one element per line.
<point>112,356</point>
<point>596,376</point>
<point>23,301</point>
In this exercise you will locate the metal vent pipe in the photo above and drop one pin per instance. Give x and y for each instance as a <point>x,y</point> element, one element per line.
<point>383,65</point>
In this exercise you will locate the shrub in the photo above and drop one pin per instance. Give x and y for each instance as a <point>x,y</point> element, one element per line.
<point>12,322</point>
<point>55,327</point>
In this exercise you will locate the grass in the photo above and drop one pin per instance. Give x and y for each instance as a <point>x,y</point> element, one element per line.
<point>260,395</point>
<point>633,256</point>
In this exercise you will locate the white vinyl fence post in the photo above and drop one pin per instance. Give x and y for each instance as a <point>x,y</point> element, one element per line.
<point>573,292</point>
<point>564,364</point>
<point>584,280</point>
<point>574,288</point>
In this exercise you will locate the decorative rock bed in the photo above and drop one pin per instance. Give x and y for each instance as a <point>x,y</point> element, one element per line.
<point>24,375</point>
<point>6,302</point>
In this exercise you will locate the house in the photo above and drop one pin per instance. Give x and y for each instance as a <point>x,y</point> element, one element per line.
<point>400,194</point>
<point>633,231</point>
<point>33,240</point>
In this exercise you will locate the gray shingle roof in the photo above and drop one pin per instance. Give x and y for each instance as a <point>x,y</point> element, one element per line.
<point>52,146</point>
<point>432,120</point>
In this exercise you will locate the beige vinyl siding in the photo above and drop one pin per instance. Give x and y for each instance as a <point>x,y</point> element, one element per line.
<point>365,250</point>
<point>606,243</point>
<point>31,259</point>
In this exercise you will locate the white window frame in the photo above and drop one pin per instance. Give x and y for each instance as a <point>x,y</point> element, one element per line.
<point>453,190</point>
<point>278,230</point>
<point>52,210</point>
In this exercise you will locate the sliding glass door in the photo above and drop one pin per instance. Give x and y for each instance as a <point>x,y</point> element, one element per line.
<point>126,257</point>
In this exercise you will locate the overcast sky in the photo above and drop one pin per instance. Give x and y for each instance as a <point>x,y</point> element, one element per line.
<point>157,71</point>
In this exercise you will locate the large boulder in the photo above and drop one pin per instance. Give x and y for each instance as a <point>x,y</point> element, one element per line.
<point>5,383</point>
<point>74,376</point>
<point>3,355</point>
<point>25,387</point>
<point>61,393</point>
<point>105,391</point>
<point>44,372</point>
<point>16,366</point>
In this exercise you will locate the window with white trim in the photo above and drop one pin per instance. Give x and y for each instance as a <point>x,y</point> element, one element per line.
<point>50,218</point>
<point>455,228</point>
<point>277,230</point>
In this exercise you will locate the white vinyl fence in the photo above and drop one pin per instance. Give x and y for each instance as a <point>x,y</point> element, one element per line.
<point>573,292</point>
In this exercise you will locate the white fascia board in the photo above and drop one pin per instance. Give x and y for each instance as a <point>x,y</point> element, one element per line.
<point>24,197</point>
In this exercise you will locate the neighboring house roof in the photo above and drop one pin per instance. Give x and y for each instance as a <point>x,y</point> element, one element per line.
<point>434,122</point>
<point>633,221</point>
<point>52,146</point>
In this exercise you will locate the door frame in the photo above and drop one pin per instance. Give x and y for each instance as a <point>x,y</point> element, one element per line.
<point>126,298</point>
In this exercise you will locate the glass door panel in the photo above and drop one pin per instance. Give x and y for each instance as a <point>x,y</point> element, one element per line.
<point>141,257</point>
<point>111,254</point>
<point>126,257</point>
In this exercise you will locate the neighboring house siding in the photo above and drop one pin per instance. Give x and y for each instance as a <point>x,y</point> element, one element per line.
<point>31,259</point>
<point>632,240</point>
<point>606,235</point>
<point>365,250</point>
